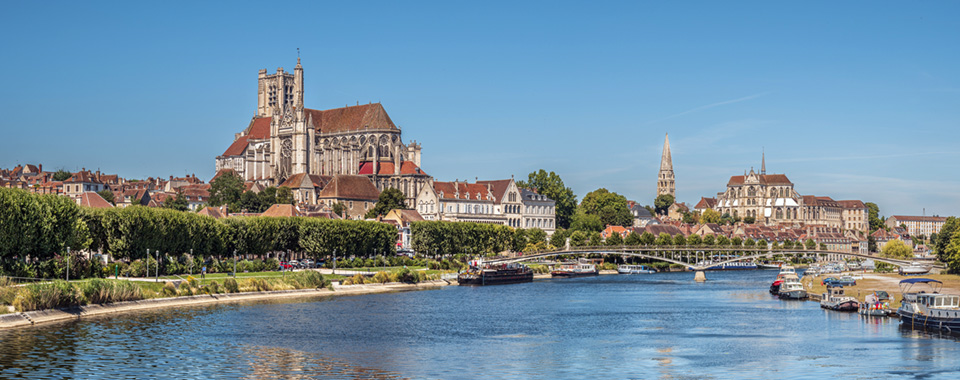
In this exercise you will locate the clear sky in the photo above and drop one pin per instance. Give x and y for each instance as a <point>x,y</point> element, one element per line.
<point>852,100</point>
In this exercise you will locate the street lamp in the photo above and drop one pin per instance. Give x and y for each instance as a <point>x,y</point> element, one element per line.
<point>147,267</point>
<point>234,263</point>
<point>334,262</point>
<point>68,264</point>
<point>158,266</point>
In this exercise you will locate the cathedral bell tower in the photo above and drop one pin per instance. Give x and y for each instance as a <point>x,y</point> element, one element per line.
<point>665,181</point>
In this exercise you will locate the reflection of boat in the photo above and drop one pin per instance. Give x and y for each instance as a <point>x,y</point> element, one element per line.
<point>575,270</point>
<point>914,268</point>
<point>934,310</point>
<point>792,290</point>
<point>496,274</point>
<point>635,269</point>
<point>875,306</point>
<point>834,299</point>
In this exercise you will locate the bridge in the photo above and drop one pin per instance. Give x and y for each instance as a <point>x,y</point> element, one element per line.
<point>696,258</point>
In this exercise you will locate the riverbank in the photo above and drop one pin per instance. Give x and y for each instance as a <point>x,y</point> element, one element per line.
<point>30,318</point>
<point>888,282</point>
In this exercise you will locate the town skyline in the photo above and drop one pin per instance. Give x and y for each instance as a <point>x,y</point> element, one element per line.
<point>875,121</point>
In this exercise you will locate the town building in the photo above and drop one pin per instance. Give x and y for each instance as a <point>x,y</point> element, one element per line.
<point>665,179</point>
<point>284,139</point>
<point>855,215</point>
<point>459,202</point>
<point>917,225</point>
<point>538,211</point>
<point>356,193</point>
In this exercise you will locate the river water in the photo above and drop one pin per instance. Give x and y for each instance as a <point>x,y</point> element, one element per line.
<point>641,326</point>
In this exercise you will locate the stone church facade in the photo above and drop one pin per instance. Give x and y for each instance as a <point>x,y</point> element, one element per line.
<point>285,138</point>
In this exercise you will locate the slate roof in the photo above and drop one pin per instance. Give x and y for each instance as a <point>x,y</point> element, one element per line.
<point>765,179</point>
<point>351,118</point>
<point>350,187</point>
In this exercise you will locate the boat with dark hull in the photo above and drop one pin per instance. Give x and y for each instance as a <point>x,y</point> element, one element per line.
<point>792,289</point>
<point>834,299</point>
<point>496,275</point>
<point>929,310</point>
<point>575,270</point>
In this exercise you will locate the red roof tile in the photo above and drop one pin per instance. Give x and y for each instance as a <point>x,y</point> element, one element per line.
<point>386,168</point>
<point>352,118</point>
<point>350,187</point>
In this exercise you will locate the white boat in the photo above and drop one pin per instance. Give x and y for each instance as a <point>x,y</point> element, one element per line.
<point>770,265</point>
<point>873,306</point>
<point>792,289</point>
<point>914,268</point>
<point>574,270</point>
<point>933,310</point>
<point>635,269</point>
<point>834,299</point>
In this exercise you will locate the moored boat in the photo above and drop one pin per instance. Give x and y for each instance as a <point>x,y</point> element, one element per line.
<point>635,269</point>
<point>512,273</point>
<point>792,290</point>
<point>931,310</point>
<point>734,265</point>
<point>834,299</point>
<point>574,270</point>
<point>770,265</point>
<point>786,273</point>
<point>913,269</point>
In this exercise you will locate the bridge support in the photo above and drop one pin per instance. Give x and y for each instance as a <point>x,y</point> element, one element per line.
<point>700,276</point>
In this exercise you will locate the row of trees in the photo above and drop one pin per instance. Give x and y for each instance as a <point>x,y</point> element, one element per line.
<point>228,189</point>
<point>437,237</point>
<point>584,238</point>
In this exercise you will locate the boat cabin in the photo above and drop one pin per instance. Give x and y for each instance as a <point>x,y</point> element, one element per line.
<point>938,301</point>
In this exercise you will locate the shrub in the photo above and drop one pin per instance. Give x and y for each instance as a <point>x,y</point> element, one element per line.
<point>211,288</point>
<point>231,285</point>
<point>56,294</point>
<point>358,279</point>
<point>169,290</point>
<point>305,280</point>
<point>381,277</point>
<point>408,276</point>
<point>99,291</point>
<point>254,285</point>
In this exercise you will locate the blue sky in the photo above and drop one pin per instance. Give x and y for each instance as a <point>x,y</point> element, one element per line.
<point>853,100</point>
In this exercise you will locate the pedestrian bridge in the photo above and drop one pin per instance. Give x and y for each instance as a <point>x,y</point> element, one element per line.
<point>696,258</point>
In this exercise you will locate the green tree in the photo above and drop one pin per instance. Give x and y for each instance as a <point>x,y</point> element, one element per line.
<point>226,190</point>
<point>339,208</point>
<point>178,202</point>
<point>389,199</point>
<point>762,244</point>
<point>810,244</point>
<point>823,246</point>
<point>61,175</point>
<point>107,195</point>
<point>690,218</point>
<point>873,216</point>
<point>267,197</point>
<point>664,239</point>
<point>871,243</point>
<point>551,186</point>
<point>726,219</point>
<point>897,249</point>
<point>584,222</point>
<point>285,196</point>
<point>736,242</point>
<point>749,220</point>
<point>252,202</point>
<point>609,206</point>
<point>663,203</point>
<point>614,239</point>
<point>788,244</point>
<point>647,238</point>
<point>519,240</point>
<point>710,216</point>
<point>578,239</point>
<point>679,240</point>
<point>559,238</point>
<point>709,240</point>
<point>750,243</point>
<point>945,237</point>
<point>694,240</point>
<point>595,239</point>
<point>536,236</point>
<point>951,254</point>
<point>633,239</point>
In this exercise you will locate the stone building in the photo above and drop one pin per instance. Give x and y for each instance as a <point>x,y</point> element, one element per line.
<point>356,193</point>
<point>538,211</point>
<point>917,225</point>
<point>665,180</point>
<point>284,138</point>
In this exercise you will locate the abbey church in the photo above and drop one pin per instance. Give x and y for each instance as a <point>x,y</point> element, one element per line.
<point>284,139</point>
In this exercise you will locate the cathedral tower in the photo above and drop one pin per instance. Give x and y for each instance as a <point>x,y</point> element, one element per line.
<point>665,184</point>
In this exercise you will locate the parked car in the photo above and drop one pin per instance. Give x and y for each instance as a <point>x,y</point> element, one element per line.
<point>830,281</point>
<point>307,263</point>
<point>294,263</point>
<point>882,296</point>
<point>405,252</point>
<point>285,266</point>
<point>847,280</point>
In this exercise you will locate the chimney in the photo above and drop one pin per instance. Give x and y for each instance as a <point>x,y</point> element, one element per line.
<point>40,167</point>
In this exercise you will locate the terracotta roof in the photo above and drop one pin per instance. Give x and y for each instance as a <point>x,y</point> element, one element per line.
<point>237,148</point>
<point>282,210</point>
<point>302,180</point>
<point>352,118</point>
<point>386,168</point>
<point>851,204</point>
<point>903,218</point>
<point>350,187</point>
<point>765,179</point>
<point>461,190</point>
<point>498,188</point>
<point>259,128</point>
<point>91,199</point>
<point>82,177</point>
<point>706,203</point>
<point>214,212</point>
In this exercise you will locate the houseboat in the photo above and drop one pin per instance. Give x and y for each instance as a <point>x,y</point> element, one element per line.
<point>834,299</point>
<point>574,270</point>
<point>915,268</point>
<point>792,289</point>
<point>512,273</point>
<point>930,310</point>
<point>635,269</point>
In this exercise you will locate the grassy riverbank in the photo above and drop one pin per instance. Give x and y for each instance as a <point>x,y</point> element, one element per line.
<point>888,282</point>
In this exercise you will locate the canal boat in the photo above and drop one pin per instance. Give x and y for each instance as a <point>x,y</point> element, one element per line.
<point>834,299</point>
<point>915,268</point>
<point>635,269</point>
<point>874,306</point>
<point>770,265</point>
<point>734,265</point>
<point>792,290</point>
<point>574,270</point>
<point>786,273</point>
<point>930,310</point>
<point>511,273</point>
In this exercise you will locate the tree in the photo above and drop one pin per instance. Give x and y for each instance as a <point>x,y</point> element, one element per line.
<point>647,238</point>
<point>709,240</point>
<point>107,195</point>
<point>285,196</point>
<point>823,246</point>
<point>519,240</point>
<point>871,243</point>
<point>389,199</point>
<point>536,236</point>
<point>609,206</point>
<point>178,202</point>
<point>595,239</point>
<point>810,244</point>
<point>339,208</point>
<point>788,244</point>
<point>724,241</point>
<point>749,243</point>
<point>762,244</point>
<point>584,222</point>
<point>633,239</point>
<point>578,239</point>
<point>694,240</point>
<point>736,242</point>
<point>551,186</point>
<point>614,239</point>
<point>61,175</point>
<point>897,249</point>
<point>873,216</point>
<point>559,238</point>
<point>252,202</point>
<point>663,203</point>
<point>691,217</point>
<point>679,240</point>
<point>664,239</point>
<point>945,237</point>
<point>951,254</point>
<point>710,216</point>
<point>726,219</point>
<point>226,190</point>
<point>749,220</point>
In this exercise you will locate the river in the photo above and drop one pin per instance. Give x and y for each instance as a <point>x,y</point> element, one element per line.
<point>641,326</point>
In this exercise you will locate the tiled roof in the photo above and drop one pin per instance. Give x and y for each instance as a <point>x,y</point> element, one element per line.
<point>904,218</point>
<point>82,177</point>
<point>706,203</point>
<point>350,187</point>
<point>352,118</point>
<point>386,168</point>
<point>91,199</point>
<point>461,190</point>
<point>237,148</point>
<point>282,210</point>
<point>304,180</point>
<point>498,187</point>
<point>852,204</point>
<point>765,179</point>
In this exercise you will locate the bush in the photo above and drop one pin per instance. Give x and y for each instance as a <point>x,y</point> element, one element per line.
<point>231,285</point>
<point>99,291</point>
<point>305,280</point>
<point>408,276</point>
<point>169,290</point>
<point>254,285</point>
<point>51,295</point>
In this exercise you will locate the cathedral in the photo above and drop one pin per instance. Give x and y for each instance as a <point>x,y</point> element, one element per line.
<point>284,138</point>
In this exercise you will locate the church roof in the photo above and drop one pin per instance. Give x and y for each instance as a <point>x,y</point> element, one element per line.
<point>765,179</point>
<point>259,128</point>
<point>351,118</point>
<point>386,168</point>
<point>666,161</point>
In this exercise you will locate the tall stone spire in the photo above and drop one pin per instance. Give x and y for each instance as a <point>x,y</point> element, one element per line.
<point>665,180</point>
<point>763,163</point>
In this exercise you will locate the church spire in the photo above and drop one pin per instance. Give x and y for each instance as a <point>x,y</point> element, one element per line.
<point>763,162</point>
<point>665,180</point>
